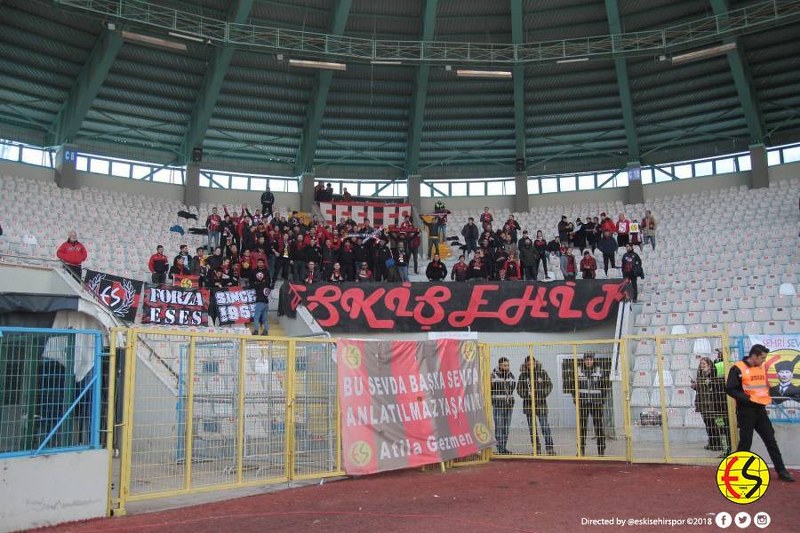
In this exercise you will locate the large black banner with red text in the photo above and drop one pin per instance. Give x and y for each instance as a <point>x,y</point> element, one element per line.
<point>488,306</point>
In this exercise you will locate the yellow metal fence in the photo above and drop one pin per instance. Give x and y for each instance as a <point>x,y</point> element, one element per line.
<point>209,411</point>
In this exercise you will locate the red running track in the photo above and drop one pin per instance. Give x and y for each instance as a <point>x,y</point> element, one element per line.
<point>498,496</point>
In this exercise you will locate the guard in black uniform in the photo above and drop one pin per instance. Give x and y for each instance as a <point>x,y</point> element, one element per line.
<point>593,385</point>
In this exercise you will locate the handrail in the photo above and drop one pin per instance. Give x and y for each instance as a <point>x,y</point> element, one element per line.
<point>753,18</point>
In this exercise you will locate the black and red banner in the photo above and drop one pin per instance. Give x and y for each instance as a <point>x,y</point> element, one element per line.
<point>488,306</point>
<point>173,306</point>
<point>234,305</point>
<point>120,295</point>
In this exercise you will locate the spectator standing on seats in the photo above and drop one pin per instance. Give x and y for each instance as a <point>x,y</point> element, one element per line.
<point>512,269</point>
<point>401,257</point>
<point>215,261</point>
<point>579,235</point>
<point>178,267</point>
<point>436,271</point>
<point>363,274</point>
<point>433,236</point>
<point>606,224</point>
<point>569,266</point>
<point>477,268</point>
<point>460,271</point>
<point>336,275</point>
<point>588,266</point>
<point>529,257</point>
<point>534,393</point>
<point>213,226</point>
<point>632,269</point>
<point>623,230</point>
<point>267,201</point>
<point>470,233</point>
<point>261,282</point>
<point>540,243</point>
<point>199,265</point>
<point>590,231</point>
<point>441,214</point>
<point>648,228</point>
<point>563,229</point>
<point>158,265</point>
<point>593,385</point>
<point>608,246</point>
<point>636,234</point>
<point>747,384</point>
<point>184,253</point>
<point>312,274</point>
<point>512,228</point>
<point>328,193</point>
<point>503,385</point>
<point>486,218</point>
<point>72,254</point>
<point>710,402</point>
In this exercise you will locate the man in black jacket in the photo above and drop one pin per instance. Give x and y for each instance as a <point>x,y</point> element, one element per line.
<point>436,271</point>
<point>267,201</point>
<point>590,399</point>
<point>502,388</point>
<point>261,282</point>
<point>470,233</point>
<point>536,390</point>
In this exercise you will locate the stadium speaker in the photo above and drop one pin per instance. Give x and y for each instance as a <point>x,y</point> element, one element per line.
<point>520,165</point>
<point>197,154</point>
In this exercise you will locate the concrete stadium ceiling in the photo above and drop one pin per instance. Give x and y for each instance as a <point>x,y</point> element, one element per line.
<point>595,83</point>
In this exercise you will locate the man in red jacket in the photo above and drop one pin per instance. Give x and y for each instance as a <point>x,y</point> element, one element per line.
<point>72,253</point>
<point>158,266</point>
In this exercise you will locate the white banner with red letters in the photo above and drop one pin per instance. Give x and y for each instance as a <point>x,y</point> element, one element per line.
<point>379,214</point>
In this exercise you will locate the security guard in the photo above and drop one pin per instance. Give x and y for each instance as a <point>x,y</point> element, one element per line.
<point>593,384</point>
<point>722,420</point>
<point>503,384</point>
<point>747,384</point>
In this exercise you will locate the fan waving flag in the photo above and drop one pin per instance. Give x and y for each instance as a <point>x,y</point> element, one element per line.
<point>408,403</point>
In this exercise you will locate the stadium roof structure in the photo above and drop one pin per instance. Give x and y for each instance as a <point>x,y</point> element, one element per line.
<point>376,89</point>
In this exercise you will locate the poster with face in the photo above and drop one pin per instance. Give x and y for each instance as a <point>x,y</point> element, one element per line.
<point>782,367</point>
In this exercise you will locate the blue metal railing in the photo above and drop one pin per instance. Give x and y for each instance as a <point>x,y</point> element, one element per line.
<point>50,390</point>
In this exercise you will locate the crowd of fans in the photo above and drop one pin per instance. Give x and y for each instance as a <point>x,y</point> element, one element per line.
<point>310,251</point>
<point>241,243</point>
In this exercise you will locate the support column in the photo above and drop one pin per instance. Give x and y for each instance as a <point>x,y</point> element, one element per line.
<point>414,182</point>
<point>522,202</point>
<point>65,171</point>
<point>307,191</point>
<point>191,185</point>
<point>635,188</point>
<point>759,174</point>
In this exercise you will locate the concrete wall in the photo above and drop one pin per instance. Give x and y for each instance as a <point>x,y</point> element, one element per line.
<point>52,489</point>
<point>18,278</point>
